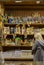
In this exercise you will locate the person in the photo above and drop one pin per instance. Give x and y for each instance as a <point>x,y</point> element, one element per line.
<point>38,47</point>
<point>1,57</point>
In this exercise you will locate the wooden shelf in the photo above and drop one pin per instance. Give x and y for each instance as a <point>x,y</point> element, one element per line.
<point>27,2</point>
<point>21,34</point>
<point>37,25</point>
<point>7,34</point>
<point>5,48</point>
<point>23,24</point>
<point>11,24</point>
<point>18,59</point>
<point>33,24</point>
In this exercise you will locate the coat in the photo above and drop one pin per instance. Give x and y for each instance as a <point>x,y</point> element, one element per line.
<point>38,50</point>
<point>1,58</point>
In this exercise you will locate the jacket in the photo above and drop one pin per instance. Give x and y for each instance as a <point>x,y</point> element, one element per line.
<point>38,50</point>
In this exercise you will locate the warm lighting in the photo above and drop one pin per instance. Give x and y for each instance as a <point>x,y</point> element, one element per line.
<point>18,1</point>
<point>38,2</point>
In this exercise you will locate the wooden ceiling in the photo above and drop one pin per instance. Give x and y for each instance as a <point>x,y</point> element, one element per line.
<point>24,2</point>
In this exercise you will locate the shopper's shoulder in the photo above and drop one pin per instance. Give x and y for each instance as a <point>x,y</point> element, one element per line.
<point>36,42</point>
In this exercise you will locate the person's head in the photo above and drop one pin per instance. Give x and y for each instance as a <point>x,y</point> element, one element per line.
<point>38,36</point>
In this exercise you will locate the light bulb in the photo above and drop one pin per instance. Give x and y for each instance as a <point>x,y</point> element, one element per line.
<point>38,2</point>
<point>18,1</point>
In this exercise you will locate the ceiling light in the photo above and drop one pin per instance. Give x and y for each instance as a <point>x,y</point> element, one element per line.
<point>18,1</point>
<point>38,2</point>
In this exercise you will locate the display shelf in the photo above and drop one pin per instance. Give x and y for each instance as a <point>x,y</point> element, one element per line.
<point>17,10</point>
<point>20,34</point>
<point>29,34</point>
<point>37,25</point>
<point>16,34</point>
<point>11,24</point>
<point>8,34</point>
<point>25,34</point>
<point>32,24</point>
<point>18,59</point>
<point>21,47</point>
<point>5,48</point>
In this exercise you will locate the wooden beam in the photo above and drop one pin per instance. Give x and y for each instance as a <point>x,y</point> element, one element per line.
<point>25,7</point>
<point>23,3</point>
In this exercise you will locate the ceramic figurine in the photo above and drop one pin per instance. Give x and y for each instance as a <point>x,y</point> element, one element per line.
<point>10,19</point>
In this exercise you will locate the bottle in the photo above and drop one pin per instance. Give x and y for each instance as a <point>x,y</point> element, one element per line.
<point>27,30</point>
<point>17,41</point>
<point>18,30</point>
<point>10,19</point>
<point>11,30</point>
<point>6,18</point>
<point>23,30</point>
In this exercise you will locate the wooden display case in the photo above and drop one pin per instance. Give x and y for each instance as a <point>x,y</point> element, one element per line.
<point>22,9</point>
